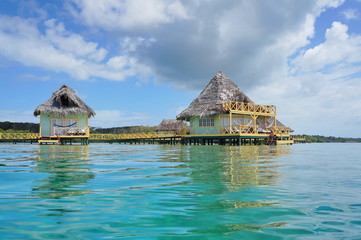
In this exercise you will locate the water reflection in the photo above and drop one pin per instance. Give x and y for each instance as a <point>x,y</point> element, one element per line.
<point>230,168</point>
<point>67,168</point>
<point>236,184</point>
<point>253,166</point>
<point>152,191</point>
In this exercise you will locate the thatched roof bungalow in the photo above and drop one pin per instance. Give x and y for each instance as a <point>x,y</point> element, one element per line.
<point>64,114</point>
<point>207,114</point>
<point>171,125</point>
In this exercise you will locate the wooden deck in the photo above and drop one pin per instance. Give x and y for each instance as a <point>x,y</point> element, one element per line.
<point>48,141</point>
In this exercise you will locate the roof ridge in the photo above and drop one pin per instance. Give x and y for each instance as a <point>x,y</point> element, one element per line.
<point>219,89</point>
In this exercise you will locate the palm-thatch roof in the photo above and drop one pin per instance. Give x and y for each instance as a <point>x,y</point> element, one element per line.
<point>171,125</point>
<point>64,102</point>
<point>209,102</point>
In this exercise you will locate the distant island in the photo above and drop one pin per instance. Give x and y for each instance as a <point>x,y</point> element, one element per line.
<point>34,128</point>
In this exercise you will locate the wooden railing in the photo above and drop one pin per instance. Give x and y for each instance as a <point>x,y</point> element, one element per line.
<point>70,131</point>
<point>250,129</point>
<point>125,136</point>
<point>238,128</point>
<point>281,130</point>
<point>241,129</point>
<point>249,108</point>
<point>20,136</point>
<point>34,136</point>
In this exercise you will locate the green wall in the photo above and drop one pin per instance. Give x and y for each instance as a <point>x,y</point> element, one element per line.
<point>45,121</point>
<point>196,129</point>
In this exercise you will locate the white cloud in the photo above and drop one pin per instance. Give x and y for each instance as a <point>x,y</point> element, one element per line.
<point>338,49</point>
<point>128,14</point>
<point>180,42</point>
<point>323,95</point>
<point>251,41</point>
<point>350,14</point>
<point>70,43</point>
<point>62,51</point>
<point>329,3</point>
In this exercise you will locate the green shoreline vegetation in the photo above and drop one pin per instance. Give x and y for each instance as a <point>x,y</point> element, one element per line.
<point>10,127</point>
<point>325,139</point>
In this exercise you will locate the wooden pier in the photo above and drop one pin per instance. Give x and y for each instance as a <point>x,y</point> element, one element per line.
<point>154,138</point>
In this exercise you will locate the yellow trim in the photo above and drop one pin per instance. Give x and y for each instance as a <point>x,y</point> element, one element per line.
<point>249,108</point>
<point>41,116</point>
<point>281,142</point>
<point>48,141</point>
<point>11,136</point>
<point>230,120</point>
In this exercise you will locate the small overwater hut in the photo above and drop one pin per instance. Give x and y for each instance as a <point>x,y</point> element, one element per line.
<point>64,117</point>
<point>178,127</point>
<point>223,111</point>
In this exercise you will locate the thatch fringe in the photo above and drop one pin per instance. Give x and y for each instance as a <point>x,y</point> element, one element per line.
<point>64,102</point>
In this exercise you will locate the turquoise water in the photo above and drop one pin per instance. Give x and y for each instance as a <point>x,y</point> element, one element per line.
<point>106,191</point>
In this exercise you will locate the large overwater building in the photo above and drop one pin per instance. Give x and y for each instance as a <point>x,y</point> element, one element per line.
<point>223,112</point>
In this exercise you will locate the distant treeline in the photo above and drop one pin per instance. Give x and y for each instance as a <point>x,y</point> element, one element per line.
<point>320,139</point>
<point>119,130</point>
<point>19,126</point>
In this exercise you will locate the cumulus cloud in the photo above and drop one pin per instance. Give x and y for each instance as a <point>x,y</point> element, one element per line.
<point>192,40</point>
<point>62,51</point>
<point>115,15</point>
<point>180,42</point>
<point>70,43</point>
<point>339,49</point>
<point>325,90</point>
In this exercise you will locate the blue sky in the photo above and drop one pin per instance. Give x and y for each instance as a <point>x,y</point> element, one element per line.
<point>136,62</point>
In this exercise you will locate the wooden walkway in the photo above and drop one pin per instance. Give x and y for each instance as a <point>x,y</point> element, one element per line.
<point>157,138</point>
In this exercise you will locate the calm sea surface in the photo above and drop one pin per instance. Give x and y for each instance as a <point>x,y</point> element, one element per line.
<point>106,191</point>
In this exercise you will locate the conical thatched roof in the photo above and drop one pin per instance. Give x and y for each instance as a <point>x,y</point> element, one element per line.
<point>171,125</point>
<point>219,90</point>
<point>209,102</point>
<point>64,102</point>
